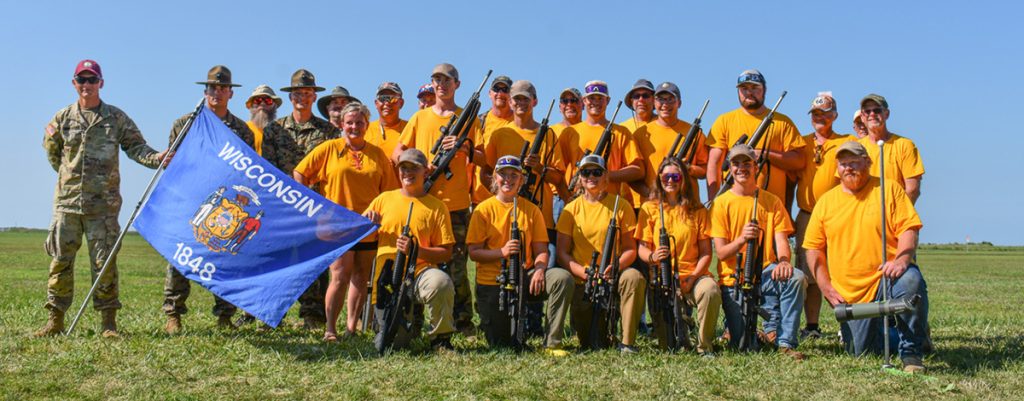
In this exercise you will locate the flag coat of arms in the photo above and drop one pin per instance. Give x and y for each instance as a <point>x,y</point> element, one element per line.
<point>229,220</point>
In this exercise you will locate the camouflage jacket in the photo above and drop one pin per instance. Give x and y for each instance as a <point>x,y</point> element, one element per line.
<point>286,142</point>
<point>235,124</point>
<point>81,146</point>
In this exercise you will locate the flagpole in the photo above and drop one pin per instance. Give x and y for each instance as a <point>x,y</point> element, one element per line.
<point>145,195</point>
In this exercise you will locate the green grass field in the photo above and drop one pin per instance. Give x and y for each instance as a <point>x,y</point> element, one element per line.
<point>975,317</point>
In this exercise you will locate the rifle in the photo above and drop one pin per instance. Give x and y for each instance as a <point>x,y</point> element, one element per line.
<point>689,149</point>
<point>394,290</point>
<point>537,190</point>
<point>666,293</point>
<point>538,140</point>
<point>601,292</point>
<point>748,281</point>
<point>459,128</point>
<point>512,282</point>
<point>602,148</point>
<point>754,140</point>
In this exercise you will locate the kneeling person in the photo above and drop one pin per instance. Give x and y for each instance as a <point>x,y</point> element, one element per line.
<point>431,227</point>
<point>489,240</point>
<point>843,245</point>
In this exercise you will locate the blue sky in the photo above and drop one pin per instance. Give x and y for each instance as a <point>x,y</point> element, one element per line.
<point>950,72</point>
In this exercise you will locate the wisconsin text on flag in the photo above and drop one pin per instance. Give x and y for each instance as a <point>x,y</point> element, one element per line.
<point>239,161</point>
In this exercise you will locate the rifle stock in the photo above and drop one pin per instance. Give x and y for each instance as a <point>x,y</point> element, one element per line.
<point>460,129</point>
<point>602,148</point>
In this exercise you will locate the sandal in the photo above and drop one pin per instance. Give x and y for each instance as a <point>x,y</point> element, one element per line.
<point>330,337</point>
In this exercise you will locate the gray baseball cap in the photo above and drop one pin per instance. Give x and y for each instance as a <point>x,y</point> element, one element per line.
<point>523,87</point>
<point>741,151</point>
<point>447,70</point>
<point>413,156</point>
<point>592,160</point>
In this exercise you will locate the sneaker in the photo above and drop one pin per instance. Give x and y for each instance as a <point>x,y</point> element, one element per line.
<point>556,352</point>
<point>913,364</point>
<point>812,334</point>
<point>628,349</point>
<point>792,353</point>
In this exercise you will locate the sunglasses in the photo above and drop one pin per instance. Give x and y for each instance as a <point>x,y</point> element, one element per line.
<point>87,80</point>
<point>508,161</point>
<point>592,172</point>
<point>568,100</point>
<point>387,99</point>
<point>877,110</point>
<point>500,89</point>
<point>818,150</point>
<point>671,177</point>
<point>262,100</point>
<point>665,99</point>
<point>640,96</point>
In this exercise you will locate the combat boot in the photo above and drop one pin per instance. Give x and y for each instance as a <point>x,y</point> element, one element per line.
<point>224,322</point>
<point>109,324</point>
<point>54,325</point>
<point>173,325</point>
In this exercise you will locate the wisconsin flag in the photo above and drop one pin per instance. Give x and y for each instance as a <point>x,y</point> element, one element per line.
<point>230,221</point>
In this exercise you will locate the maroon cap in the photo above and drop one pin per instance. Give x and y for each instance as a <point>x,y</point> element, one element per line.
<point>89,65</point>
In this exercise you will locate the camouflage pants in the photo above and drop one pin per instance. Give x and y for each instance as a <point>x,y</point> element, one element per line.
<point>311,302</point>
<point>176,291</point>
<point>463,309</point>
<point>62,245</point>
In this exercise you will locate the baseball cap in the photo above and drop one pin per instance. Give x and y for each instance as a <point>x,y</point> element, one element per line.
<point>596,88</point>
<point>508,162</point>
<point>413,156</point>
<point>427,88</point>
<point>824,102</point>
<point>523,87</point>
<point>877,99</point>
<point>668,87</point>
<point>853,147</point>
<point>750,76</point>
<point>447,70</point>
<point>88,65</point>
<point>592,160</point>
<point>389,86</point>
<point>741,150</point>
<point>501,79</point>
<point>856,115</point>
<point>572,91</point>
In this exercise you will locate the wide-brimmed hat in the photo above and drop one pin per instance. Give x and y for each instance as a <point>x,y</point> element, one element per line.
<point>638,85</point>
<point>263,90</point>
<point>219,75</point>
<point>338,91</point>
<point>303,79</point>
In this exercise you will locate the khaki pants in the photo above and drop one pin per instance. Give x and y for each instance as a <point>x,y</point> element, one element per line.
<point>558,289</point>
<point>632,287</point>
<point>177,289</point>
<point>62,245</point>
<point>708,299</point>
<point>435,293</point>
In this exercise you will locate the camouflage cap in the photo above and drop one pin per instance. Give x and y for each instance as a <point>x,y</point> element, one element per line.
<point>338,91</point>
<point>572,91</point>
<point>303,79</point>
<point>390,86</point>
<point>875,98</point>
<point>824,102</point>
<point>219,75</point>
<point>502,79</point>
<point>263,90</point>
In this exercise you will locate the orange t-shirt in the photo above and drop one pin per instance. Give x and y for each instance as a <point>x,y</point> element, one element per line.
<point>421,133</point>
<point>491,225</point>
<point>731,212</point>
<point>782,136</point>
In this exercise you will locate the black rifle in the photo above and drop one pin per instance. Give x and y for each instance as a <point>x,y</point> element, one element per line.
<point>748,281</point>
<point>753,141</point>
<point>512,282</point>
<point>667,298</point>
<point>394,291</point>
<point>460,129</point>
<point>603,293</point>
<point>538,192</point>
<point>531,178</point>
<point>602,148</point>
<point>685,154</point>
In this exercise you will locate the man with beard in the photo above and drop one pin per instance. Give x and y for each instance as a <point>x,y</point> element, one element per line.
<point>782,138</point>
<point>902,160</point>
<point>500,115</point>
<point>843,245</point>
<point>384,132</point>
<point>426,96</point>
<point>262,105</point>
<point>330,106</point>
<point>176,287</point>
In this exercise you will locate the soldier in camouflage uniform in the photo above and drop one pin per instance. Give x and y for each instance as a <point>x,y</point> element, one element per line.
<point>285,143</point>
<point>81,145</point>
<point>176,287</point>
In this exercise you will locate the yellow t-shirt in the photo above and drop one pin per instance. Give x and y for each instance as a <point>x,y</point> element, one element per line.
<point>902,159</point>
<point>782,136</point>
<point>421,132</point>
<point>587,223</point>
<point>731,212</point>
<point>686,227</point>
<point>655,141</point>
<point>491,225</point>
<point>492,123</point>
<point>817,179</point>
<point>257,135</point>
<point>509,140</point>
<point>387,139</point>
<point>431,224</point>
<point>622,151</point>
<point>849,228</point>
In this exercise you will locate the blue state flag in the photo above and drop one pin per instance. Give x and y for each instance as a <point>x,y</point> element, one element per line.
<point>230,221</point>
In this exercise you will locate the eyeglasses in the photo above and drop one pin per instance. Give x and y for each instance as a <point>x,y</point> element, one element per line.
<point>665,99</point>
<point>818,150</point>
<point>592,172</point>
<point>568,100</point>
<point>671,177</point>
<point>262,100</point>
<point>644,96</point>
<point>388,99</point>
<point>500,89</point>
<point>87,80</point>
<point>876,110</point>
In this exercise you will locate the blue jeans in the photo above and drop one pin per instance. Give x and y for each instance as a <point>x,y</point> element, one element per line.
<point>861,336</point>
<point>557,205</point>
<point>784,301</point>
